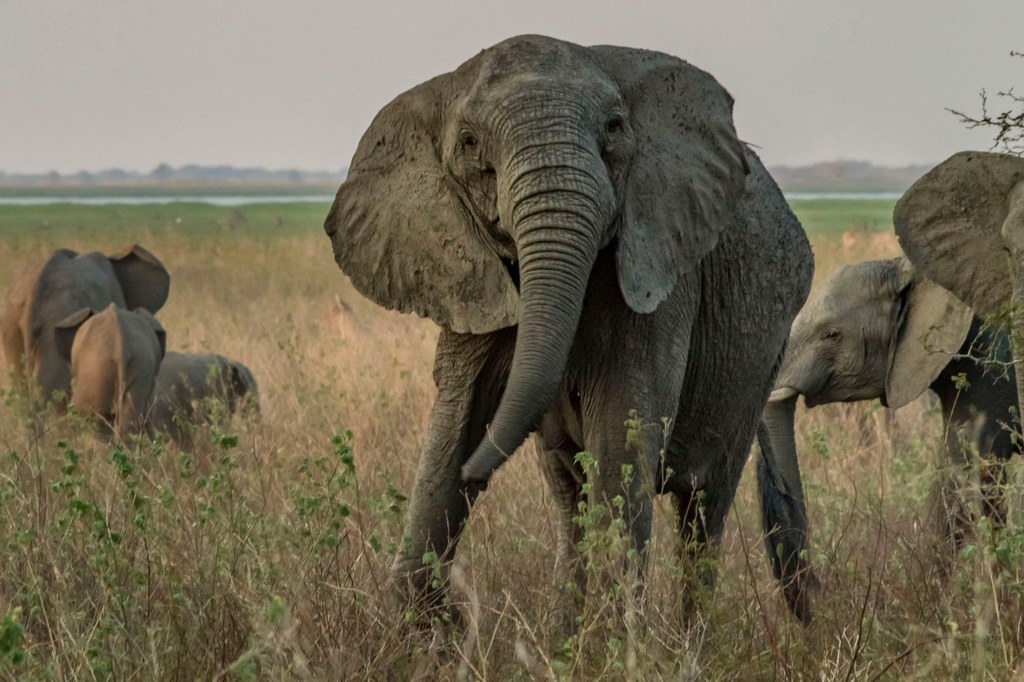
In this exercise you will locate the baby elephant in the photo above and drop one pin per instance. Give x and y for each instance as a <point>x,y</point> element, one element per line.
<point>882,330</point>
<point>115,356</point>
<point>191,388</point>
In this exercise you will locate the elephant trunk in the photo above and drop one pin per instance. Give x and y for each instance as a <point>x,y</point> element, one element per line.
<point>778,417</point>
<point>558,235</point>
<point>553,282</point>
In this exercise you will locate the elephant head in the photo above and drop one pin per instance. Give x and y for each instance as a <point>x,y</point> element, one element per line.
<point>481,198</point>
<point>962,225</point>
<point>877,329</point>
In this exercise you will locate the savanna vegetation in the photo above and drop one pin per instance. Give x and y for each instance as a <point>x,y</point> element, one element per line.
<point>263,551</point>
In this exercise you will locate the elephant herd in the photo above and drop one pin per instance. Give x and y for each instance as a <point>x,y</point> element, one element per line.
<point>613,271</point>
<point>79,329</point>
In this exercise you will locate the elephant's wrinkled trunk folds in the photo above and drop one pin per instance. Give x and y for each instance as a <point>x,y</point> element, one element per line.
<point>558,234</point>
<point>779,414</point>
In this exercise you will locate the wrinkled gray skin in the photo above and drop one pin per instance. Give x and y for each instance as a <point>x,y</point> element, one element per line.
<point>115,357</point>
<point>187,382</point>
<point>48,292</point>
<point>879,329</point>
<point>962,226</point>
<point>592,237</point>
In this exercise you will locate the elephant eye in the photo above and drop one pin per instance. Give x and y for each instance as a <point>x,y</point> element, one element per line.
<point>615,125</point>
<point>467,138</point>
<point>830,335</point>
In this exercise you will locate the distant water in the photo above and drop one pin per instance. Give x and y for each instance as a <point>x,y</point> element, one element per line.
<point>239,200</point>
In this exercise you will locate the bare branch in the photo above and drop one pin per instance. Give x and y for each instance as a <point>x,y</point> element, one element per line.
<point>1009,124</point>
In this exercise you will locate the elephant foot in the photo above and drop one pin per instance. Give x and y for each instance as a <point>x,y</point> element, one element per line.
<point>423,597</point>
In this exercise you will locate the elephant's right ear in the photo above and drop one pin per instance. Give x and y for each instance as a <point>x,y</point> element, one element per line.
<point>144,279</point>
<point>688,175</point>
<point>955,223</point>
<point>402,235</point>
<point>242,381</point>
<point>158,329</point>
<point>65,330</point>
<point>930,327</point>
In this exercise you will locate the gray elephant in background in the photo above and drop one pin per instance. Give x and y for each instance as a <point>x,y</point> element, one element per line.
<point>880,329</point>
<point>592,237</point>
<point>115,357</point>
<point>194,389</point>
<point>46,293</point>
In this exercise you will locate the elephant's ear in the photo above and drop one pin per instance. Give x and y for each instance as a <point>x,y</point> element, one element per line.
<point>401,234</point>
<point>65,330</point>
<point>158,329</point>
<point>688,174</point>
<point>144,279</point>
<point>949,224</point>
<point>242,381</point>
<point>930,327</point>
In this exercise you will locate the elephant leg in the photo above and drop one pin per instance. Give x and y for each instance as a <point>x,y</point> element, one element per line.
<point>14,347</point>
<point>565,479</point>
<point>692,550</point>
<point>957,495</point>
<point>626,439</point>
<point>993,487</point>
<point>470,372</point>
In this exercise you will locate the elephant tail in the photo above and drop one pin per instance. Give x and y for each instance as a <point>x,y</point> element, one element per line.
<point>785,530</point>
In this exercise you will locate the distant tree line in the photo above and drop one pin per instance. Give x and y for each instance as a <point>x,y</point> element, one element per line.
<point>165,174</point>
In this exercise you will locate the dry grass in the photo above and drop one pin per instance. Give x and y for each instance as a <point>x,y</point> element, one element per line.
<point>267,556</point>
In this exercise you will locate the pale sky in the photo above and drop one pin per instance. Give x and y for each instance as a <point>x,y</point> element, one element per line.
<point>105,83</point>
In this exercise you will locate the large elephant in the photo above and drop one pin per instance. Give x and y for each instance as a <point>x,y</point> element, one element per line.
<point>48,292</point>
<point>187,385</point>
<point>880,329</point>
<point>115,357</point>
<point>962,225</point>
<point>593,238</point>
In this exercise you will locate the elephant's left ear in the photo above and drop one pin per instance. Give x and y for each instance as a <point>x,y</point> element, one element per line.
<point>65,330</point>
<point>930,327</point>
<point>689,172</point>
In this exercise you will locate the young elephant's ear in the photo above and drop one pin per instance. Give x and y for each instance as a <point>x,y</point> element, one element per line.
<point>402,235</point>
<point>161,335</point>
<point>929,329</point>
<point>242,381</point>
<point>688,174</point>
<point>144,280</point>
<point>957,223</point>
<point>65,330</point>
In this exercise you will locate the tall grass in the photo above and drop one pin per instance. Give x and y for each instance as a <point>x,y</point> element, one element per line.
<point>263,552</point>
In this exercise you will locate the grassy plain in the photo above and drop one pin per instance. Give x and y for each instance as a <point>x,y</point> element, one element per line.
<point>263,552</point>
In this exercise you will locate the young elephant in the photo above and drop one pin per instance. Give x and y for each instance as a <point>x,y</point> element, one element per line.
<point>115,357</point>
<point>187,384</point>
<point>48,292</point>
<point>880,329</point>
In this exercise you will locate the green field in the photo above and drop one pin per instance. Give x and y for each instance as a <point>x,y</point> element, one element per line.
<point>186,218</point>
<point>263,552</point>
<point>824,215</point>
